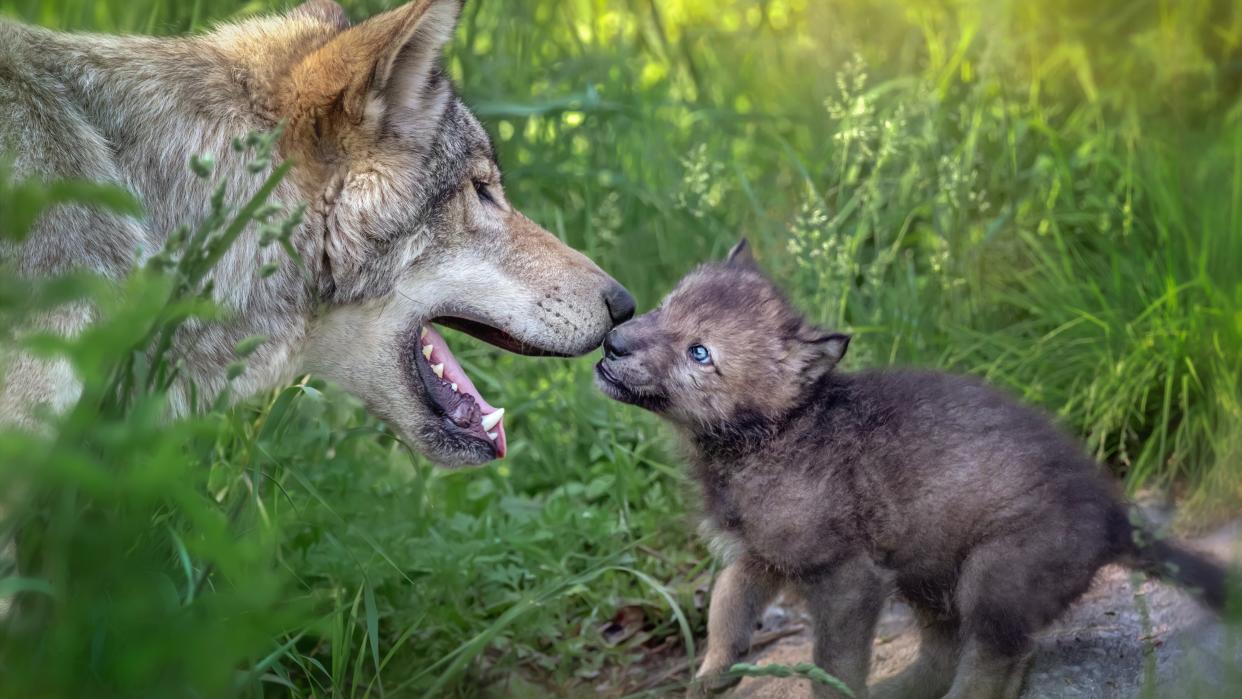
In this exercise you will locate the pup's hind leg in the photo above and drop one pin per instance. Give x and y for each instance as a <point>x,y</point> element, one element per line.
<point>931,673</point>
<point>1008,589</point>
<point>987,673</point>
<point>999,613</point>
<point>739,596</point>
<point>844,606</point>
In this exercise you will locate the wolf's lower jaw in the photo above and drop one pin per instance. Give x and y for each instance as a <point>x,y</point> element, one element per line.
<point>451,392</point>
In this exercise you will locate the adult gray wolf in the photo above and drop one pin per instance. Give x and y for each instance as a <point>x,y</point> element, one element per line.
<point>407,222</point>
<point>989,520</point>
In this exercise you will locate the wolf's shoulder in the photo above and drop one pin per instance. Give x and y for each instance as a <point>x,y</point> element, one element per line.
<point>19,43</point>
<point>13,50</point>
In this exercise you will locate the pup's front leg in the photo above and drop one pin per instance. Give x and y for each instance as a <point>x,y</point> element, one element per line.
<point>739,597</point>
<point>844,606</point>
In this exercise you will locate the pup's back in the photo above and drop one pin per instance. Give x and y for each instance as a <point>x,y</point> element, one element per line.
<point>950,465</point>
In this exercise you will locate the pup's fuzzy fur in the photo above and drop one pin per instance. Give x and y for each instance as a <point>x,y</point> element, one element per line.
<point>986,516</point>
<point>407,220</point>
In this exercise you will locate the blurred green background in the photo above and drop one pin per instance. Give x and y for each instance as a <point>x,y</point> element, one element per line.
<point>1045,194</point>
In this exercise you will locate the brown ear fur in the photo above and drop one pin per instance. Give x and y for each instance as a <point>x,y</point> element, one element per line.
<point>366,60</point>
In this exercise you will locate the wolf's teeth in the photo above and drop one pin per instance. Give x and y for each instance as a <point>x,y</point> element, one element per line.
<point>492,419</point>
<point>426,351</point>
<point>422,334</point>
<point>438,369</point>
<point>493,436</point>
<point>454,387</point>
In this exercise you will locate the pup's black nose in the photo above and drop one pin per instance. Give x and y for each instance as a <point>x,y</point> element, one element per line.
<point>620,303</point>
<point>615,345</point>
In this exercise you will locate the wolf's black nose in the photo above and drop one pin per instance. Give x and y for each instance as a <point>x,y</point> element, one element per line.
<point>620,303</point>
<point>615,345</point>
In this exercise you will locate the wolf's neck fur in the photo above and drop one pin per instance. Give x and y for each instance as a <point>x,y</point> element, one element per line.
<point>142,107</point>
<point>158,101</point>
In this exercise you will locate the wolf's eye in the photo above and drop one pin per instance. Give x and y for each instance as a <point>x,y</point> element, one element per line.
<point>700,354</point>
<point>484,193</point>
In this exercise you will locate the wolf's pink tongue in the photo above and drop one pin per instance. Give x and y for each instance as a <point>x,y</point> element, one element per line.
<point>443,361</point>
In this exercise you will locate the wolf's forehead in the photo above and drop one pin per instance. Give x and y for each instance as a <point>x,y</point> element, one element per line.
<point>458,144</point>
<point>460,138</point>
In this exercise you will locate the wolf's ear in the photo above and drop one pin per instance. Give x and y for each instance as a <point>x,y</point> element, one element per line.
<point>407,68</point>
<point>829,346</point>
<point>741,256</point>
<point>387,63</point>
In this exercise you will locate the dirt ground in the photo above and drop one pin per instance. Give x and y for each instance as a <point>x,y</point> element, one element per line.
<point>1101,648</point>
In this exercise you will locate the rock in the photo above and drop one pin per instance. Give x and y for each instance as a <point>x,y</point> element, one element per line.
<point>1100,649</point>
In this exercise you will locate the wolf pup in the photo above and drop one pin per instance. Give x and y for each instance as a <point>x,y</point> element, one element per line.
<point>407,224</point>
<point>988,518</point>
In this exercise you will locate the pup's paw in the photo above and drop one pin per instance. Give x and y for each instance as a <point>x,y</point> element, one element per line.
<point>705,686</point>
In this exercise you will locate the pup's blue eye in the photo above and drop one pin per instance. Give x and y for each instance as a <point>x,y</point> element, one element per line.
<point>700,354</point>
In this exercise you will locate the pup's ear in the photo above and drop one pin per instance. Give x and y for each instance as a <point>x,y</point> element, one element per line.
<point>741,256</point>
<point>830,347</point>
<point>388,63</point>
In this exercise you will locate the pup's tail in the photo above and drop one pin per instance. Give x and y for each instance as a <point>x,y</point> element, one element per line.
<point>1170,561</point>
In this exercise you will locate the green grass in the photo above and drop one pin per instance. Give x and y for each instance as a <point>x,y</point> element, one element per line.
<point>1049,195</point>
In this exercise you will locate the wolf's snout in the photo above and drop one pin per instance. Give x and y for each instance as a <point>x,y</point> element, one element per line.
<point>615,345</point>
<point>620,303</point>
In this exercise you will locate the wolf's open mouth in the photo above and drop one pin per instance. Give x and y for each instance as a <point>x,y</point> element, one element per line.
<point>495,336</point>
<point>452,394</point>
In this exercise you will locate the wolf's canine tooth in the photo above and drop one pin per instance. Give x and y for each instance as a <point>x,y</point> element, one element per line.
<point>492,419</point>
<point>426,351</point>
<point>438,369</point>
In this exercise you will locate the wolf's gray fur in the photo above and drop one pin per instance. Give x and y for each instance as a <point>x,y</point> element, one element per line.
<point>988,519</point>
<point>407,219</point>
